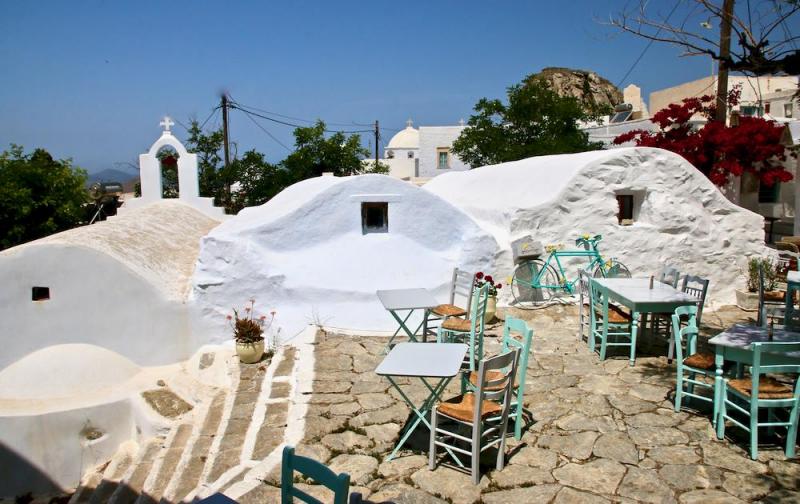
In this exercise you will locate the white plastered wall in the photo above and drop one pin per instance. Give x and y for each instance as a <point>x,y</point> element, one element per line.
<point>304,254</point>
<point>682,220</point>
<point>94,299</point>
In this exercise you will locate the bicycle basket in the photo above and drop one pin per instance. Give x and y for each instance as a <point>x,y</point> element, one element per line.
<point>526,248</point>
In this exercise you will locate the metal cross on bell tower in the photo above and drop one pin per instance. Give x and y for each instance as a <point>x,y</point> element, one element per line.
<point>166,123</point>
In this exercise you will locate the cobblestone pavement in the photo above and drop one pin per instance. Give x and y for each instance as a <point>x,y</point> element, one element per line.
<point>602,431</point>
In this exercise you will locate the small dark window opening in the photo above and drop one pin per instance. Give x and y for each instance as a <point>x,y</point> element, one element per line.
<point>40,293</point>
<point>769,194</point>
<point>625,213</point>
<point>374,218</point>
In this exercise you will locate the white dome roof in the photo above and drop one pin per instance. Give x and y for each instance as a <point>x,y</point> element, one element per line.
<point>405,139</point>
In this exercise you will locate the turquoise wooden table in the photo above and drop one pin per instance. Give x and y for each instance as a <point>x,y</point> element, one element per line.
<point>636,295</point>
<point>434,361</point>
<point>734,345</point>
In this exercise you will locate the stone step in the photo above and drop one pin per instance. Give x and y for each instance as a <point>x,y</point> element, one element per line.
<point>89,484</point>
<point>197,456</point>
<point>116,469</point>
<point>132,485</point>
<point>163,468</point>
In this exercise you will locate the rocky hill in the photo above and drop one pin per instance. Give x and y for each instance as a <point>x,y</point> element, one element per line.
<point>588,87</point>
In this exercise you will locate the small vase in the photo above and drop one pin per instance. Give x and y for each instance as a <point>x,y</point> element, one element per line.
<point>250,353</point>
<point>491,308</point>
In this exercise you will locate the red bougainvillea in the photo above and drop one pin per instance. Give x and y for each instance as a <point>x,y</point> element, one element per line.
<point>715,149</point>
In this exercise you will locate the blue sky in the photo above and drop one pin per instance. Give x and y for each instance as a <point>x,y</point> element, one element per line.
<point>90,80</point>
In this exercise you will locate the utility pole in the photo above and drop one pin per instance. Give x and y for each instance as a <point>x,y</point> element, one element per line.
<point>377,137</point>
<point>225,145</point>
<point>724,55</point>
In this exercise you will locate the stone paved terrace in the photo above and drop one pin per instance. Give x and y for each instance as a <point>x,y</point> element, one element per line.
<point>603,432</point>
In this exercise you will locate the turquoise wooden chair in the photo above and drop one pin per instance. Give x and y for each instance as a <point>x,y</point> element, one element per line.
<point>320,473</point>
<point>694,363</point>
<point>454,329</point>
<point>610,325</point>
<point>483,412</point>
<point>510,343</point>
<point>746,396</point>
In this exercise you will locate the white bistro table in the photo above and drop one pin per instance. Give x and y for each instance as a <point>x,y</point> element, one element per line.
<point>399,300</point>
<point>636,294</point>
<point>429,363</point>
<point>735,344</point>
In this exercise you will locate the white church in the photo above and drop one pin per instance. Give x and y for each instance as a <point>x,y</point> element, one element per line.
<point>420,154</point>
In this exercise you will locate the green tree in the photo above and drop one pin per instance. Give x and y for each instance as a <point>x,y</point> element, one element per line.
<point>211,173</point>
<point>535,122</point>
<point>39,196</point>
<point>257,180</point>
<point>314,154</point>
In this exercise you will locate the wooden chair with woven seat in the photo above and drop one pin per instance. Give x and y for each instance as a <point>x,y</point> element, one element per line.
<point>484,413</point>
<point>471,329</point>
<point>610,325</point>
<point>690,362</point>
<point>462,286</point>
<point>669,275</point>
<point>322,474</point>
<point>747,396</point>
<point>512,328</point>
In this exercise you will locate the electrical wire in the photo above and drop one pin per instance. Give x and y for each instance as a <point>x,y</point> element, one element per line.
<point>650,43</point>
<point>252,110</point>
<point>266,131</point>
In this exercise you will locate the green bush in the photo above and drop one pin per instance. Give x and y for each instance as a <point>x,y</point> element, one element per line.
<point>771,274</point>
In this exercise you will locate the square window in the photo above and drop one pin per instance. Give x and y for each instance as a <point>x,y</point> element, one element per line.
<point>787,109</point>
<point>374,217</point>
<point>769,194</point>
<point>40,293</point>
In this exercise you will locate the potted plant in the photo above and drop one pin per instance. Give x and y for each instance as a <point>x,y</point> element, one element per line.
<point>748,299</point>
<point>248,332</point>
<point>491,303</point>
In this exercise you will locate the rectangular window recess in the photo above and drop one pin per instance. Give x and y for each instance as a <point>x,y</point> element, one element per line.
<point>625,211</point>
<point>40,293</point>
<point>374,217</point>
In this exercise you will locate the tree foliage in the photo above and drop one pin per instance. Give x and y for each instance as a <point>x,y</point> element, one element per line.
<point>715,149</point>
<point>38,195</point>
<point>536,121</point>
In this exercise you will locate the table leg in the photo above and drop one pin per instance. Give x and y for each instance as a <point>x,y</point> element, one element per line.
<point>420,412</point>
<point>634,331</point>
<point>719,360</point>
<point>401,327</point>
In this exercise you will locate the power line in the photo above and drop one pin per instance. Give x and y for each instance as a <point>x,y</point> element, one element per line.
<point>647,47</point>
<point>266,131</point>
<point>209,116</point>
<point>247,108</point>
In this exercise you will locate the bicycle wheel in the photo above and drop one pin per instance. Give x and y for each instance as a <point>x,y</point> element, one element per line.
<point>526,294</point>
<point>611,269</point>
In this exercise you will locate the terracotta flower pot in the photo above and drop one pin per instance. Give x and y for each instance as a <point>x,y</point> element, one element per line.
<point>250,353</point>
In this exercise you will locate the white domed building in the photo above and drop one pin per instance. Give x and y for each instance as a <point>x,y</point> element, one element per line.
<point>402,153</point>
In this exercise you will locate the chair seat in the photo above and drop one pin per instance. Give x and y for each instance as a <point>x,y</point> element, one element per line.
<point>457,324</point>
<point>775,296</point>
<point>448,310</point>
<point>768,388</point>
<point>491,376</point>
<point>700,360</point>
<point>616,315</point>
<point>463,408</point>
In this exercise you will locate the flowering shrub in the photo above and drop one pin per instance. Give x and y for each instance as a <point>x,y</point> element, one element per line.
<point>717,150</point>
<point>249,329</point>
<point>481,280</point>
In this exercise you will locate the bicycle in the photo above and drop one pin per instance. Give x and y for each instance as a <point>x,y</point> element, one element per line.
<point>536,282</point>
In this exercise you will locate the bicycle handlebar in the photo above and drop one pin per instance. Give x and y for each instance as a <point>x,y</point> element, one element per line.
<point>590,240</point>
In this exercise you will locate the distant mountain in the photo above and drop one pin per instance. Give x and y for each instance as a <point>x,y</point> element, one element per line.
<point>111,175</point>
<point>588,87</point>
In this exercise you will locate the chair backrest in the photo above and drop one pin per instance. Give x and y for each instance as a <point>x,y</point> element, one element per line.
<point>462,285</point>
<point>583,284</point>
<point>477,313</point>
<point>761,282</point>
<point>790,247</point>
<point>787,261</point>
<point>515,325</point>
<point>759,369</point>
<point>598,299</point>
<point>487,389</point>
<point>669,275</point>
<point>697,287</point>
<point>686,334</point>
<point>339,483</point>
